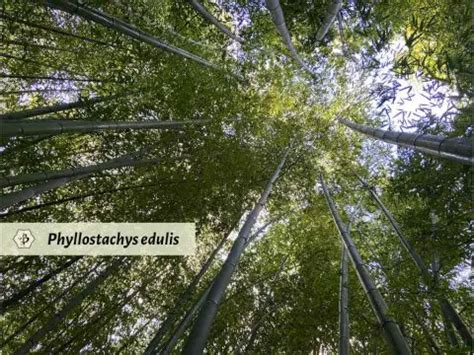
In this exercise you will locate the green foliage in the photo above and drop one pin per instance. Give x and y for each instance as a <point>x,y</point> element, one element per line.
<point>258,103</point>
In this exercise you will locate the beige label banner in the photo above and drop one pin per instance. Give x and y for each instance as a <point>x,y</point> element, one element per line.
<point>97,238</point>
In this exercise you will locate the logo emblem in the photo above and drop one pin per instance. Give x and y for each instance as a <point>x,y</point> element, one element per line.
<point>24,238</point>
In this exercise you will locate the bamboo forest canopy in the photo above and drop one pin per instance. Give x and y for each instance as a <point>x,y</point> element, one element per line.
<point>323,149</point>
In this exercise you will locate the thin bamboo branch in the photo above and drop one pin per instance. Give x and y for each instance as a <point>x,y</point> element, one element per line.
<point>53,29</point>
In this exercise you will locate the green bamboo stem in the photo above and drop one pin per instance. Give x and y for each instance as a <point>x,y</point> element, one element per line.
<point>455,149</point>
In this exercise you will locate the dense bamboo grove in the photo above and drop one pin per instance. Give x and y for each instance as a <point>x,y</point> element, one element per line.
<point>323,149</point>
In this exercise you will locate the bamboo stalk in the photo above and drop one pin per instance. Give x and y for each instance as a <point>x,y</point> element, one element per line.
<point>200,332</point>
<point>13,198</point>
<point>18,296</point>
<point>211,19</point>
<point>331,14</point>
<point>186,322</point>
<point>449,313</point>
<point>185,297</point>
<point>279,20</point>
<point>392,333</point>
<point>19,115</point>
<point>43,127</point>
<point>50,306</point>
<point>52,29</point>
<point>55,321</point>
<point>344,304</point>
<point>455,149</point>
<point>115,24</point>
<point>120,162</point>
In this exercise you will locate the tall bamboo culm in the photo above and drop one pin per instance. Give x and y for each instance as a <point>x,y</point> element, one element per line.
<point>115,24</point>
<point>448,311</point>
<point>459,150</point>
<point>391,331</point>
<point>344,303</point>
<point>200,332</point>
